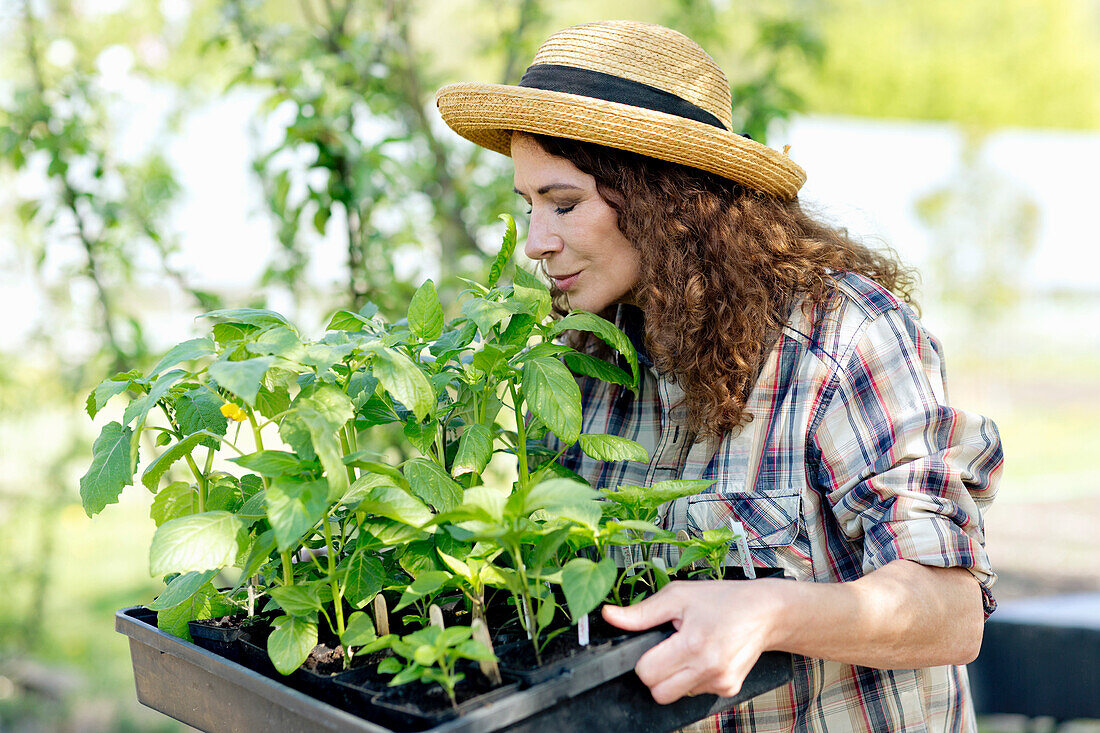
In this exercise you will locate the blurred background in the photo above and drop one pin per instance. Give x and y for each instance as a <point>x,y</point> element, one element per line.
<point>159,158</point>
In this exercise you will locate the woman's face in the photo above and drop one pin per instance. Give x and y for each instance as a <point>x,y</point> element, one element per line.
<point>573,230</point>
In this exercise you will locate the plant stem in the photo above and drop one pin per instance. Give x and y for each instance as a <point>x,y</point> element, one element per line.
<point>288,573</point>
<point>258,439</point>
<point>521,435</point>
<point>345,445</point>
<point>337,597</point>
<point>200,478</point>
<point>440,446</point>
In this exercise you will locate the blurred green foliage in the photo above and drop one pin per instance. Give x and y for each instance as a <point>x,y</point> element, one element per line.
<point>987,63</point>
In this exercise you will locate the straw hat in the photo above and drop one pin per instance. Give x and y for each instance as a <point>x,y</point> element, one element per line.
<point>626,85</point>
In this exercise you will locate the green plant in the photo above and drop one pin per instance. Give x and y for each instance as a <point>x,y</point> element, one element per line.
<point>325,526</point>
<point>631,516</point>
<point>710,547</point>
<point>431,655</point>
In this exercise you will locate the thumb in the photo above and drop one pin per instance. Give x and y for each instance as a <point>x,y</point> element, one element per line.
<point>651,612</point>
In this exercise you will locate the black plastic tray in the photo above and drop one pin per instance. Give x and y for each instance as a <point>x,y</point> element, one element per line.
<point>600,692</point>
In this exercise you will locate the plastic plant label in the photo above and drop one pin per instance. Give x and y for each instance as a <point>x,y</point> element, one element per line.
<point>742,542</point>
<point>582,630</point>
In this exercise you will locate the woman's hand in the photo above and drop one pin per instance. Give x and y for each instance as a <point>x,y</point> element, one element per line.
<point>722,627</point>
<point>901,616</point>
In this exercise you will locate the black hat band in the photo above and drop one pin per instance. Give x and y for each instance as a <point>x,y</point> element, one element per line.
<point>611,88</point>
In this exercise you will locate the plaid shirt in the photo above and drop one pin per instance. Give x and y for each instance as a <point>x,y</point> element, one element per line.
<point>853,459</point>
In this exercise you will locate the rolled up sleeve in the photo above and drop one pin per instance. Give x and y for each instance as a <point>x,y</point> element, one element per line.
<point>907,476</point>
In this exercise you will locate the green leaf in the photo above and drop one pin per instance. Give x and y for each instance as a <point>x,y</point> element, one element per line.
<point>258,555</point>
<point>205,603</point>
<point>553,396</point>
<point>253,509</point>
<point>291,642</point>
<point>616,339</point>
<point>418,557</point>
<point>390,665</point>
<point>322,414</point>
<point>388,532</point>
<point>227,334</point>
<point>277,341</point>
<point>598,368</point>
<point>359,630</point>
<point>432,484</point>
<point>452,342</point>
<point>404,381</point>
<point>295,507</point>
<point>612,448</point>
<point>153,473</point>
<point>545,613</point>
<point>365,579</point>
<point>586,584</point>
<point>557,492</point>
<point>422,585</point>
<point>532,291</point>
<point>345,320</point>
<point>186,351</point>
<point>295,600</point>
<point>139,408</point>
<point>324,356</point>
<point>206,541</point>
<point>486,499</point>
<point>173,501</point>
<point>361,388</point>
<point>252,316</point>
<point>396,504</point>
<point>110,471</point>
<point>270,463</point>
<point>181,588</point>
<point>652,497</point>
<point>200,409</point>
<point>272,402</point>
<point>507,247</point>
<point>421,435</point>
<point>425,312</point>
<point>475,650</point>
<point>486,314</point>
<point>475,449</point>
<point>107,389</point>
<point>242,378</point>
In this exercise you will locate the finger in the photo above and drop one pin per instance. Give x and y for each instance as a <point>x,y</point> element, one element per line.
<point>665,660</point>
<point>673,688</point>
<point>655,610</point>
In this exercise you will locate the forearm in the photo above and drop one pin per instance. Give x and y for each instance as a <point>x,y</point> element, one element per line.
<point>901,616</point>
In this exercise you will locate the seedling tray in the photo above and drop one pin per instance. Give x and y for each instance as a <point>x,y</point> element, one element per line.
<point>599,692</point>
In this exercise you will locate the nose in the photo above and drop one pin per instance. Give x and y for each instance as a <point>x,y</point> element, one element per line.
<point>542,241</point>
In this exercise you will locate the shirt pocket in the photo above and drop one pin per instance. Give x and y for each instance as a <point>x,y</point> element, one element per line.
<point>770,520</point>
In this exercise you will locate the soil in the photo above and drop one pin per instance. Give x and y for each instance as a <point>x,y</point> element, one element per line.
<point>329,660</point>
<point>224,622</point>
<point>520,655</point>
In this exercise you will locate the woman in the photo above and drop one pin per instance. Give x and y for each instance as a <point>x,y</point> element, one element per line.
<point>782,362</point>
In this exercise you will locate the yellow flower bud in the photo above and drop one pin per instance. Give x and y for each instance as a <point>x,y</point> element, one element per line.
<point>234,412</point>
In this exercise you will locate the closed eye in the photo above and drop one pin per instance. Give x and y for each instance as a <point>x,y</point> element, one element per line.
<point>562,210</point>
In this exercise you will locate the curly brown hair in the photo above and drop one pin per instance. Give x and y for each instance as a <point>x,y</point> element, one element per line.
<point>722,266</point>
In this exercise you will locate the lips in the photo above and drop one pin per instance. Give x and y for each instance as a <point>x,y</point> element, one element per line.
<point>565,282</point>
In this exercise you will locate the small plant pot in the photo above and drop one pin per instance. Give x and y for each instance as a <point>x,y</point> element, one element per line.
<point>418,706</point>
<point>218,635</point>
<point>517,659</point>
<point>361,685</point>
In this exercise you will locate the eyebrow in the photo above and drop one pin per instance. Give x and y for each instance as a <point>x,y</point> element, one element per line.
<point>551,187</point>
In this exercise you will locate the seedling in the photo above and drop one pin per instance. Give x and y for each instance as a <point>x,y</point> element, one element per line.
<point>430,655</point>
